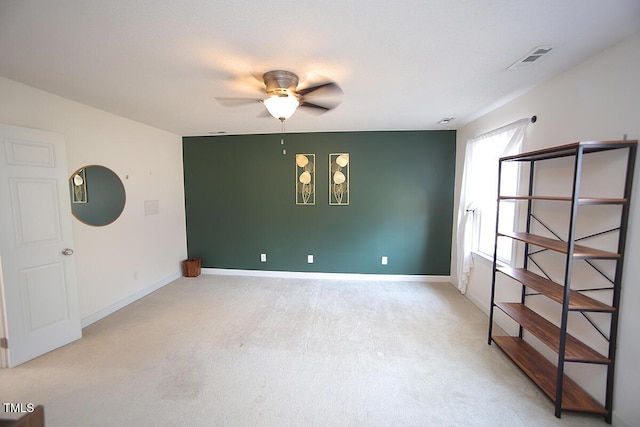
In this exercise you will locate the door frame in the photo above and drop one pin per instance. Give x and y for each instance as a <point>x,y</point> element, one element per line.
<point>4,354</point>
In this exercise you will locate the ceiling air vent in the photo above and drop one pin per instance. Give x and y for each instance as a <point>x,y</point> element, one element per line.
<point>532,57</point>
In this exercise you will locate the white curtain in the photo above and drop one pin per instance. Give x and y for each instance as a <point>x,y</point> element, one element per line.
<point>481,165</point>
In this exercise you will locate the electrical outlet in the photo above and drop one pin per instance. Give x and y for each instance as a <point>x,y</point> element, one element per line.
<point>263,257</point>
<point>385,260</point>
<point>309,259</point>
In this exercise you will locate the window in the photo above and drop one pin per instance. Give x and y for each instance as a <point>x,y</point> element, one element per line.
<point>478,196</point>
<point>483,185</point>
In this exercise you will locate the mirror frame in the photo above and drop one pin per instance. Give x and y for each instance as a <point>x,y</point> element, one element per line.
<point>102,206</point>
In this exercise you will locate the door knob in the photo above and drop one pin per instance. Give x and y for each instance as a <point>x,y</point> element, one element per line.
<point>67,251</point>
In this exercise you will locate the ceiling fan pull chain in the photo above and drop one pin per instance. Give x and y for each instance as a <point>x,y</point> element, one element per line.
<point>284,150</point>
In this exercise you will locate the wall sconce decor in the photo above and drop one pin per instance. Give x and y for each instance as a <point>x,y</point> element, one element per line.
<point>79,187</point>
<point>305,179</point>
<point>339,179</point>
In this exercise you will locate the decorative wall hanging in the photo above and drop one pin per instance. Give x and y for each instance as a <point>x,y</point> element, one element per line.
<point>305,179</point>
<point>79,187</point>
<point>339,179</point>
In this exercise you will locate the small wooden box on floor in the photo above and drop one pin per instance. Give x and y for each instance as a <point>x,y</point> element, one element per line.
<point>191,267</point>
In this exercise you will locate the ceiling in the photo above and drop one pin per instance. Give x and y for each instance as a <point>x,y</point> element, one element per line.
<point>401,64</point>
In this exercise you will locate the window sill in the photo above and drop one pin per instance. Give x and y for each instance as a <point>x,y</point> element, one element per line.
<point>487,260</point>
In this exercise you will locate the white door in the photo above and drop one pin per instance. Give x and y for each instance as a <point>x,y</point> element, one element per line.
<point>38,277</point>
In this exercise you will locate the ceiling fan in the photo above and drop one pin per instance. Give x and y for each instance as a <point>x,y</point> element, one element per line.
<point>284,97</point>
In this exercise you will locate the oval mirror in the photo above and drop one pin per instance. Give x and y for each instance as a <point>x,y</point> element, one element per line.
<point>97,195</point>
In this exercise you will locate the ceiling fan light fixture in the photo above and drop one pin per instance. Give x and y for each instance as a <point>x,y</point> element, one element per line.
<point>281,106</point>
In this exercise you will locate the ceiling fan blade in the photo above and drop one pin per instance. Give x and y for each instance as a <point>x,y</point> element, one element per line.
<point>324,87</point>
<point>258,76</point>
<point>246,84</point>
<point>234,102</point>
<point>315,108</point>
<point>264,114</point>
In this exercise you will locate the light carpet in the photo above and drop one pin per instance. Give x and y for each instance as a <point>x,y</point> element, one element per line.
<point>247,351</point>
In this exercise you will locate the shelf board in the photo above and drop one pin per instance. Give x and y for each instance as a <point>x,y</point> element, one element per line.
<point>549,334</point>
<point>570,150</point>
<point>581,200</point>
<point>579,251</point>
<point>543,374</point>
<point>554,291</point>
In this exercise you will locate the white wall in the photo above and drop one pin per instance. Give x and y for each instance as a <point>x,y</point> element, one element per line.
<point>136,254</point>
<point>598,100</point>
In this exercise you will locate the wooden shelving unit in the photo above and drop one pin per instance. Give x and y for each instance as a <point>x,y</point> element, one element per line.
<point>566,394</point>
<point>544,374</point>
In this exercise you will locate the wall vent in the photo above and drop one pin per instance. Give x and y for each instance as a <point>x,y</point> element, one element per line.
<point>532,57</point>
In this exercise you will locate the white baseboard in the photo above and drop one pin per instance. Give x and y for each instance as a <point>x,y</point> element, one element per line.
<point>126,301</point>
<point>477,303</point>
<point>505,325</point>
<point>326,276</point>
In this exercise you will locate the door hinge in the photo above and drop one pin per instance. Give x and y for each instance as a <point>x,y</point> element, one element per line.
<point>4,343</point>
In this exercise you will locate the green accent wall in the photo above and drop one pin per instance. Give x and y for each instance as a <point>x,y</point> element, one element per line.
<point>241,202</point>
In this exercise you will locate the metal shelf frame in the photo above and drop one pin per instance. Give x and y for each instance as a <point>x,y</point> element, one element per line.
<point>562,293</point>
